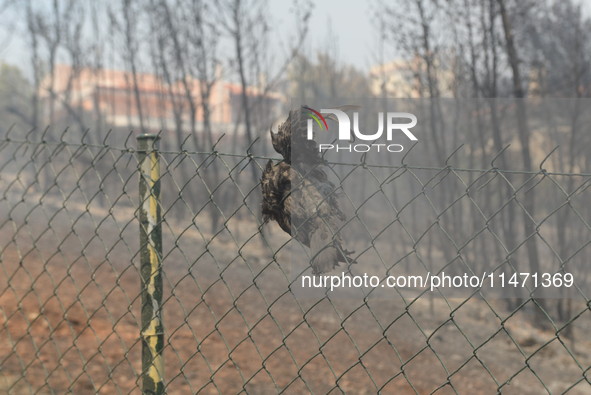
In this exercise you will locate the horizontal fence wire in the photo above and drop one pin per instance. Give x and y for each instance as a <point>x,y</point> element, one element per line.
<point>70,289</point>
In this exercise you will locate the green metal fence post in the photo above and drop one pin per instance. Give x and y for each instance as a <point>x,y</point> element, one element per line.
<point>152,331</point>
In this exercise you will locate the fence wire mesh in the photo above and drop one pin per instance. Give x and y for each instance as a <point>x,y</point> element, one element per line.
<point>70,290</point>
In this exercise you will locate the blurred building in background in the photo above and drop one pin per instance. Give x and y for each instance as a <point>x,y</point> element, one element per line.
<point>407,79</point>
<point>112,95</point>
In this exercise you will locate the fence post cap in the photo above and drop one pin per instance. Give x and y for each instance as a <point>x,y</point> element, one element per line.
<point>148,136</point>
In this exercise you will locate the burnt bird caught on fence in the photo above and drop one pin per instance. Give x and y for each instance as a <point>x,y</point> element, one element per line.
<point>311,207</point>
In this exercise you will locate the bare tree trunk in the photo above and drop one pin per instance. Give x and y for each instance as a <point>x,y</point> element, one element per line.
<point>51,32</point>
<point>562,220</point>
<point>237,10</point>
<point>97,68</point>
<point>505,192</point>
<point>206,83</point>
<point>237,37</point>
<point>433,91</point>
<point>524,133</point>
<point>32,30</point>
<point>53,45</point>
<point>130,44</point>
<point>564,242</point>
<point>185,76</point>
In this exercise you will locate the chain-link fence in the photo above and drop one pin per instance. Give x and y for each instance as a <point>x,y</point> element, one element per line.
<point>97,269</point>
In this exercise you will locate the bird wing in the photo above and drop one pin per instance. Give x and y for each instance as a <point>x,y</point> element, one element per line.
<point>317,218</point>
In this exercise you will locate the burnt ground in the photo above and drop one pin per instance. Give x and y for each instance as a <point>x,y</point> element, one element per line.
<point>69,320</point>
